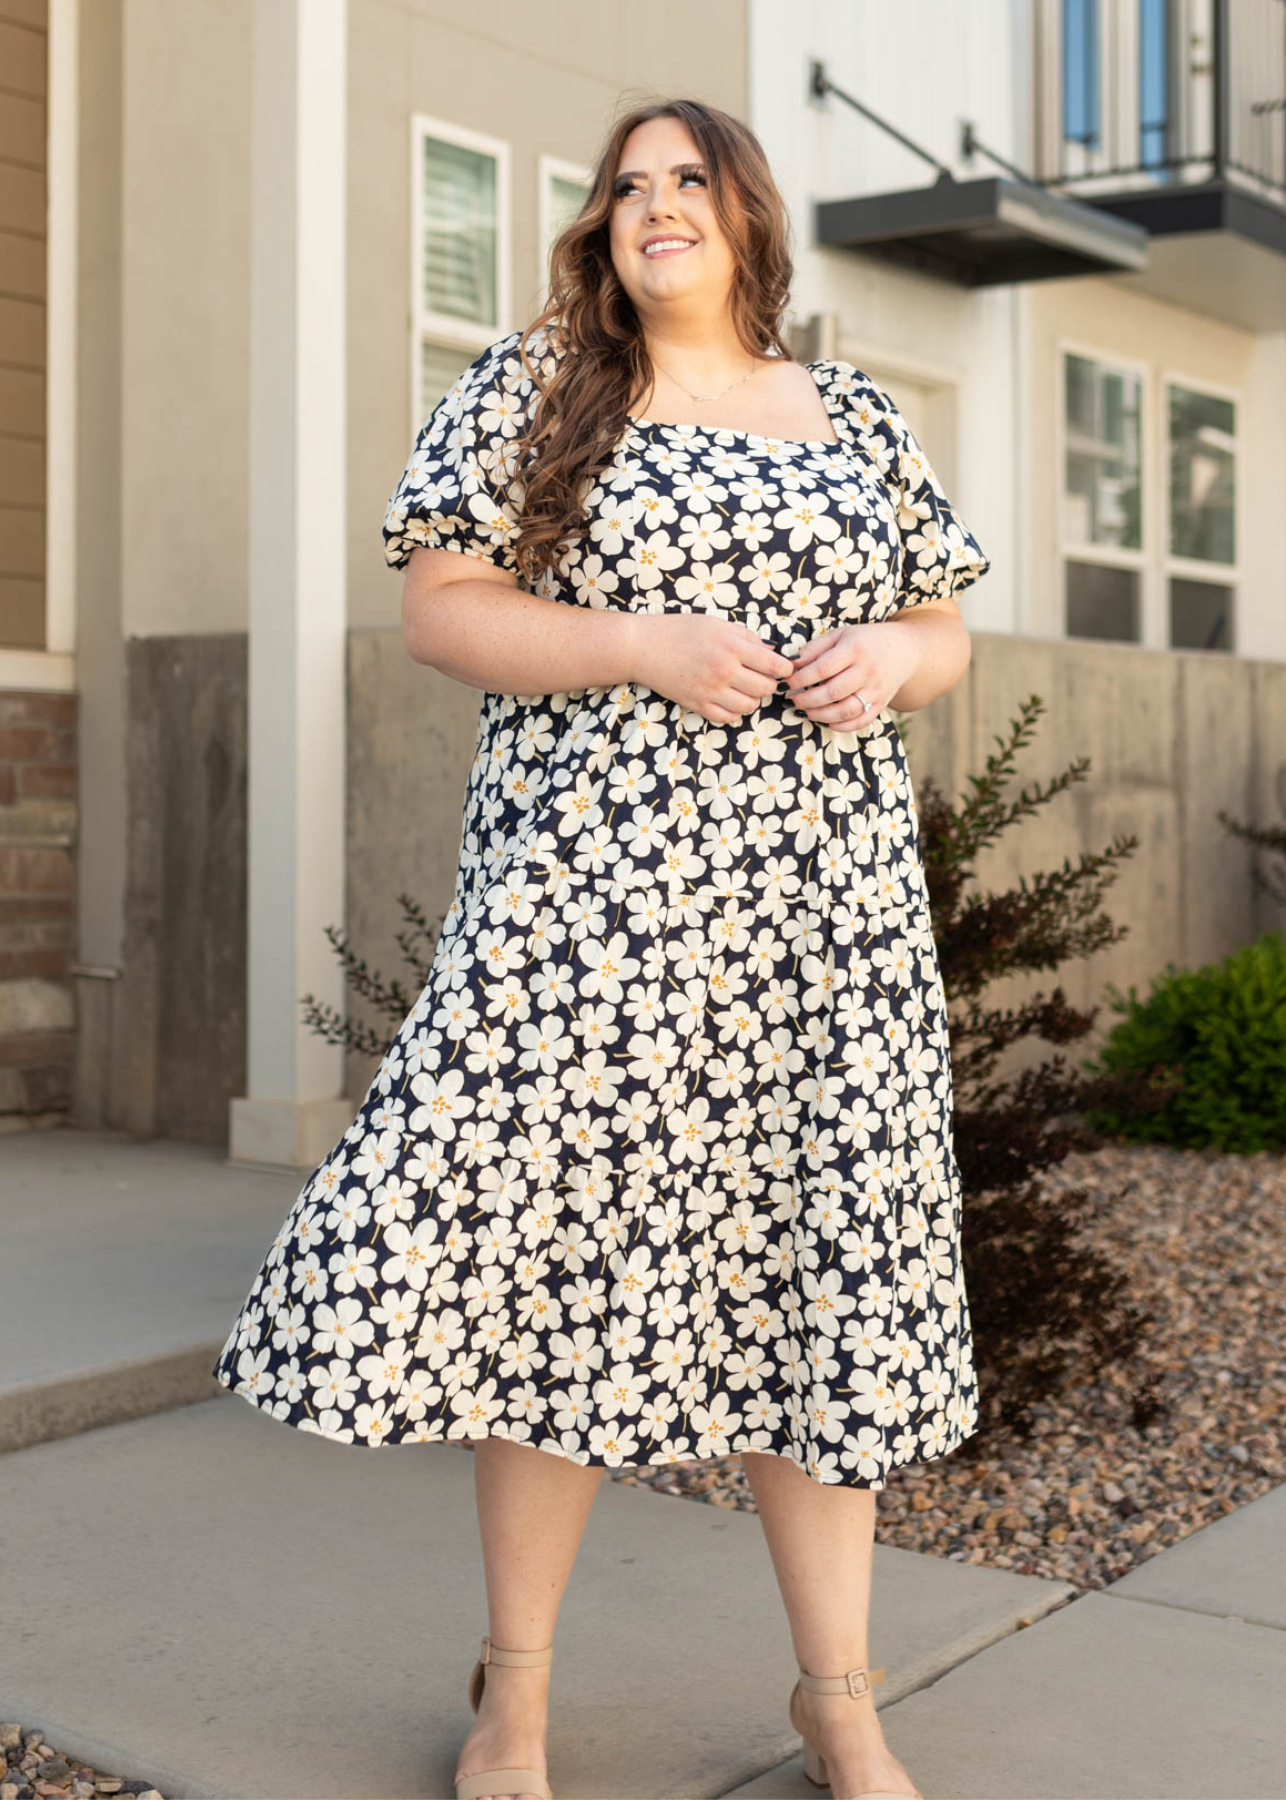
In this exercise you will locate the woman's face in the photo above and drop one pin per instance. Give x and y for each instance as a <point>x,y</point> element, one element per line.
<point>660,191</point>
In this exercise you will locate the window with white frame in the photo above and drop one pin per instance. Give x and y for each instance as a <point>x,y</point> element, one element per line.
<point>564,189</point>
<point>1102,500</point>
<point>1125,580</point>
<point>460,266</point>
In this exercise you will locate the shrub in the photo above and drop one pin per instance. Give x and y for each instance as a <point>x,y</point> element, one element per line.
<point>1222,1030</point>
<point>1049,1310</point>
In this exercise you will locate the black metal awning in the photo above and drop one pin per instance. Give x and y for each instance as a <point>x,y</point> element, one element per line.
<point>983,232</point>
<point>1213,242</point>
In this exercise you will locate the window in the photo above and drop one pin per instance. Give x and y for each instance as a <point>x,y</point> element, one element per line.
<point>564,189</point>
<point>1102,500</point>
<point>1154,84</point>
<point>1202,518</point>
<point>1081,73</point>
<point>1148,536</point>
<point>460,253</point>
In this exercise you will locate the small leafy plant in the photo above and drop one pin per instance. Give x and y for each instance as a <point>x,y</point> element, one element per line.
<point>390,999</point>
<point>1262,837</point>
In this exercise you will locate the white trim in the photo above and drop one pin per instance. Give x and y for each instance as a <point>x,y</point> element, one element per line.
<point>297,563</point>
<point>54,671</point>
<point>918,369</point>
<point>60,330</point>
<point>1025,617</point>
<point>469,336</point>
<point>548,170</point>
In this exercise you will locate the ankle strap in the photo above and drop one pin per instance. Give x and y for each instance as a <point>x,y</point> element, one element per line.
<point>520,1659</point>
<point>855,1682</point>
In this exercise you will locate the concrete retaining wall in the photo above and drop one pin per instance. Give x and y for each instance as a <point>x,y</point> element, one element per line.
<point>1172,737</point>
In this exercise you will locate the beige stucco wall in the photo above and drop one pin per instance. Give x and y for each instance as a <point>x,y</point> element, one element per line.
<point>185,319</point>
<point>549,80</point>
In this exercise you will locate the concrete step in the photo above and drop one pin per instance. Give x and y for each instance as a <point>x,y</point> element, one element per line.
<point>124,1265</point>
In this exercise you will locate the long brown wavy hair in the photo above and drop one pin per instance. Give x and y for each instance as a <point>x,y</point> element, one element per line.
<point>594,356</point>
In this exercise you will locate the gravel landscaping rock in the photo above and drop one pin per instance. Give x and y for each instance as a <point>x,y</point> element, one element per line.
<point>1088,1496</point>
<point>32,1769</point>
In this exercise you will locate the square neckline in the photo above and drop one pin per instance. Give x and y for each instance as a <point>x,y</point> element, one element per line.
<point>761,437</point>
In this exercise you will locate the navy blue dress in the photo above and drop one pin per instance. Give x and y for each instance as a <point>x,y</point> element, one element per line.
<point>660,1165</point>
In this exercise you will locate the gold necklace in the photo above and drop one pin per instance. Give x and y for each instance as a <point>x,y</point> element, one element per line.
<point>704,397</point>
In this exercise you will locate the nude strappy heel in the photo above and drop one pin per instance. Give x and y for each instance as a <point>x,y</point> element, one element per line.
<point>856,1682</point>
<point>502,1781</point>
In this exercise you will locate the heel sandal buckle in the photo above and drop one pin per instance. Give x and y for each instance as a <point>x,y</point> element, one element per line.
<point>858,1683</point>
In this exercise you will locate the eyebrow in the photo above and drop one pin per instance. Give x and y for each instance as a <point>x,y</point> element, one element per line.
<point>691,163</point>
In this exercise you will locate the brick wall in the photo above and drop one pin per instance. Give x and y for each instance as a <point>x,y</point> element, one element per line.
<point>37,906</point>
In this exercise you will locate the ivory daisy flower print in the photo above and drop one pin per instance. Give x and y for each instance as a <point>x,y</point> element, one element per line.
<point>659,1166</point>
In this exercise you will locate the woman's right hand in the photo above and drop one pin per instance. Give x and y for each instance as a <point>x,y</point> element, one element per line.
<point>710,665</point>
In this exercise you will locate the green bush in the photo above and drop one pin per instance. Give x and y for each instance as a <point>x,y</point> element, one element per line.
<point>1222,1030</point>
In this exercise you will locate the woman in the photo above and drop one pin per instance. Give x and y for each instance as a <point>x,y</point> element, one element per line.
<point>659,1167</point>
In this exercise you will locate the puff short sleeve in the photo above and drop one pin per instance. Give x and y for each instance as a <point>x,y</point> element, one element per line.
<point>458,490</point>
<point>940,555</point>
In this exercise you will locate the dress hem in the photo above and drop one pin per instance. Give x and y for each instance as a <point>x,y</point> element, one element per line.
<point>552,1448</point>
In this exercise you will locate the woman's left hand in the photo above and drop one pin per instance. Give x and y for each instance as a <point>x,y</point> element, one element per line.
<point>875,660</point>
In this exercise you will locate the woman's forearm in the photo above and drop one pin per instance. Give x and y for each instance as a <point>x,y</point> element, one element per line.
<point>489,634</point>
<point>495,636</point>
<point>943,647</point>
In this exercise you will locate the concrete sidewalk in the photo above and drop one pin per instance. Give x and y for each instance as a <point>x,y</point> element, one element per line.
<point>1158,1687</point>
<point>232,1609</point>
<point>236,1609</point>
<point>124,1265</point>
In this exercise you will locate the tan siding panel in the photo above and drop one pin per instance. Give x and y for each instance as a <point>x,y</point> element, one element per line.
<point>22,130</point>
<point>22,58</point>
<point>24,63</point>
<point>22,402</point>
<point>22,540</point>
<point>22,614</point>
<point>22,333</point>
<point>22,266</point>
<point>26,12</point>
<point>22,472</point>
<point>22,199</point>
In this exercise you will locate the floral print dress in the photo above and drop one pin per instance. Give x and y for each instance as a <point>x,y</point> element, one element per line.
<point>660,1165</point>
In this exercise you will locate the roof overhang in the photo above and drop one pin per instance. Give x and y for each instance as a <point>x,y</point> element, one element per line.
<point>986,232</point>
<point>1215,247</point>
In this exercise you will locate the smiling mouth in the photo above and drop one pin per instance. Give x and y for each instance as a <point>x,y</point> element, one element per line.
<point>674,249</point>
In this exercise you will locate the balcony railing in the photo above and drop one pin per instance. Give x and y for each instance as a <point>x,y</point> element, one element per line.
<point>1140,93</point>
